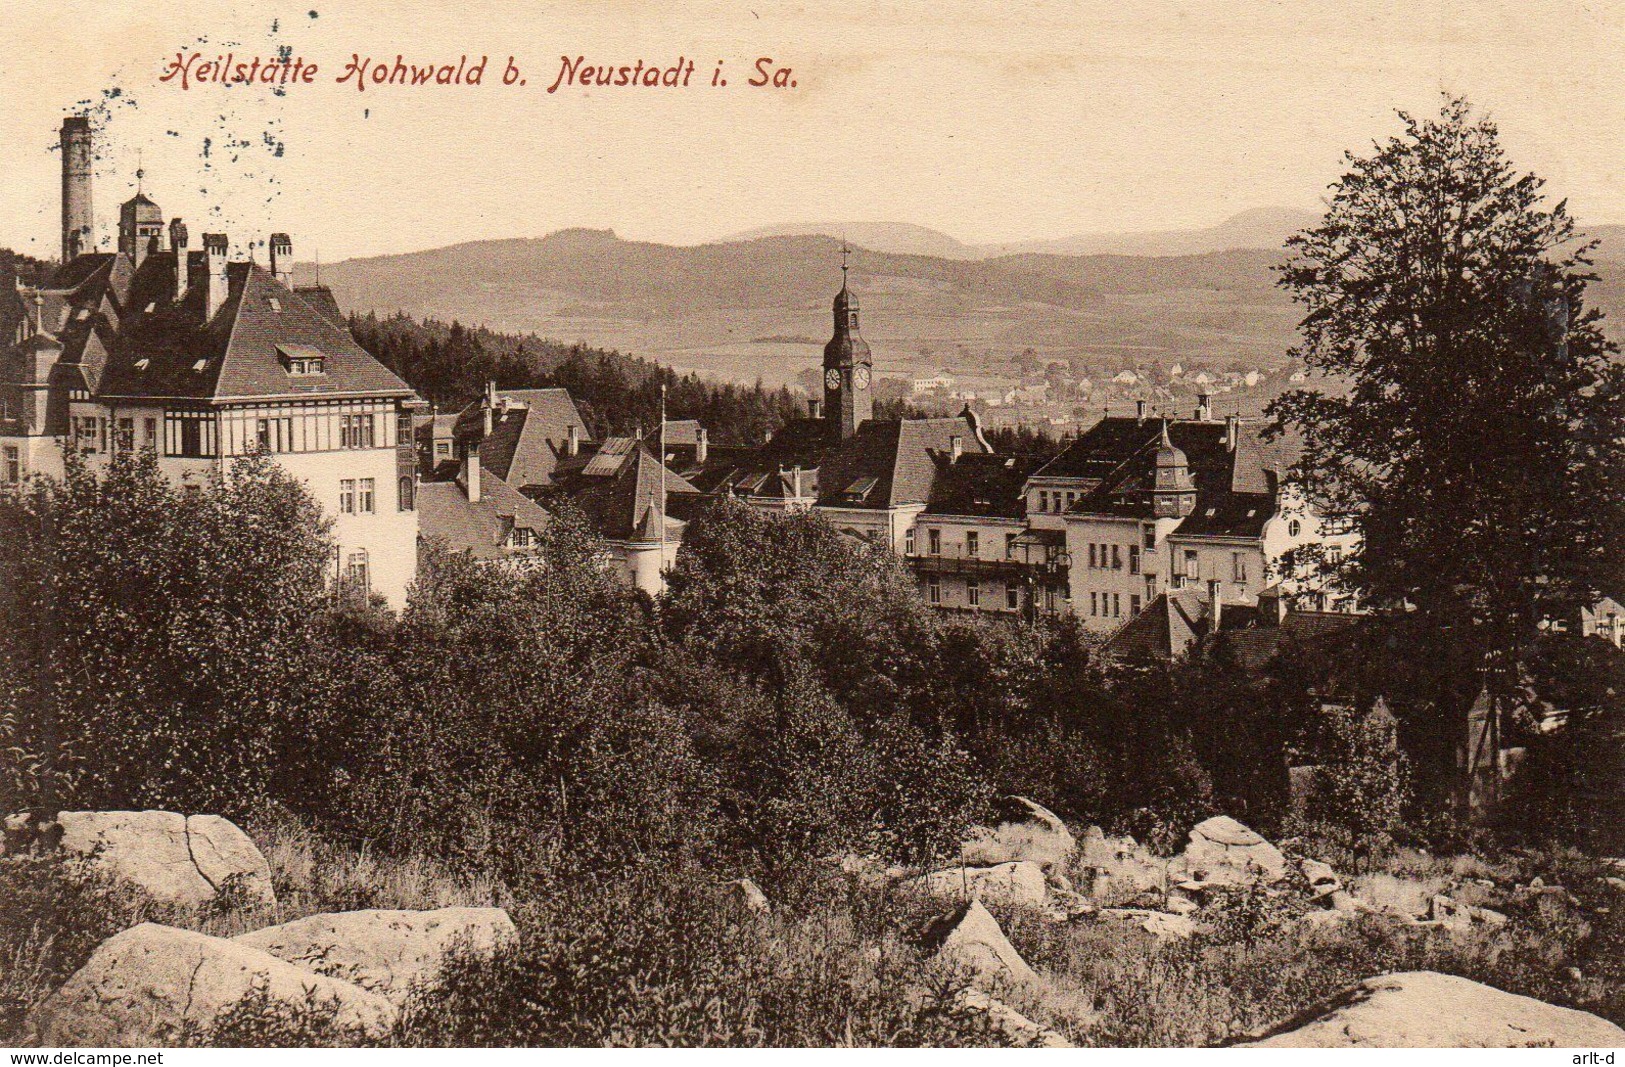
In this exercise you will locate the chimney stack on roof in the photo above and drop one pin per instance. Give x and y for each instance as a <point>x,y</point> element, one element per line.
<point>1139,411</point>
<point>1204,407</point>
<point>178,241</point>
<point>1232,431</point>
<point>956,447</point>
<point>1215,601</point>
<point>282,258</point>
<point>471,472</point>
<point>815,409</point>
<point>702,447</point>
<point>572,446</point>
<point>215,246</point>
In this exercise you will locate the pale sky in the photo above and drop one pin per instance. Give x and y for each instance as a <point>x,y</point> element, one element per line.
<point>988,121</point>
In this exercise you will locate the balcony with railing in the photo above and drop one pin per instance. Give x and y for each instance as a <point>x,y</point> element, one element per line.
<point>1024,562</point>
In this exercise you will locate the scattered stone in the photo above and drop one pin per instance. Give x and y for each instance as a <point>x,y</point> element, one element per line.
<point>749,895</point>
<point>972,939</point>
<point>1021,1030</point>
<point>1424,1009</point>
<point>1005,884</point>
<point>172,858</point>
<point>1179,905</point>
<point>1222,850</point>
<point>1616,883</point>
<point>141,986</point>
<point>1323,881</point>
<point>383,952</point>
<point>1456,915</point>
<point>869,871</point>
<point>1159,924</point>
<point>1027,831</point>
<point>1119,864</point>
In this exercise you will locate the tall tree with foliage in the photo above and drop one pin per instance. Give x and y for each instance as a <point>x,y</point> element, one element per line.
<point>1475,449</point>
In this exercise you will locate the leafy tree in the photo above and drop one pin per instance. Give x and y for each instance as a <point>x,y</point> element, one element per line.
<point>1475,451</point>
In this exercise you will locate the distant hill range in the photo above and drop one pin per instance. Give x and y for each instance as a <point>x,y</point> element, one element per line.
<point>757,306</point>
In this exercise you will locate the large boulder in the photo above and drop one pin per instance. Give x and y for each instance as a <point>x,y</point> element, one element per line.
<point>383,952</point>
<point>172,858</point>
<point>970,938</point>
<point>1424,1009</point>
<point>1021,1031</point>
<point>1119,868</point>
<point>1005,883</point>
<point>1026,831</point>
<point>142,986</point>
<point>1223,851</point>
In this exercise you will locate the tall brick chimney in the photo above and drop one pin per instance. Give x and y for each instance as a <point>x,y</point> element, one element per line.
<point>78,221</point>
<point>215,246</point>
<point>178,241</point>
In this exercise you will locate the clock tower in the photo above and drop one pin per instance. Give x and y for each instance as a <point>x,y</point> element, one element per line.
<point>848,369</point>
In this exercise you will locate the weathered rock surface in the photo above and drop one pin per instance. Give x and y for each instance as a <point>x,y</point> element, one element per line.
<point>1006,883</point>
<point>172,858</point>
<point>1222,850</point>
<point>1026,831</point>
<point>1120,866</point>
<point>383,952</point>
<point>1021,1030</point>
<point>1322,879</point>
<point>1162,925</point>
<point>972,939</point>
<point>141,986</point>
<point>1425,1009</point>
<point>748,895</point>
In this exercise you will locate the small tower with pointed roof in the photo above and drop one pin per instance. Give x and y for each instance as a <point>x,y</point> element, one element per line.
<point>1173,491</point>
<point>140,224</point>
<point>848,367</point>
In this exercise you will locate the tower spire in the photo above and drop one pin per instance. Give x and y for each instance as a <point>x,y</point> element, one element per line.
<point>845,252</point>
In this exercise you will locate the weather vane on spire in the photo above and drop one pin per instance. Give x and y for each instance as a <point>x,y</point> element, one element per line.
<point>845,251</point>
<point>140,173</point>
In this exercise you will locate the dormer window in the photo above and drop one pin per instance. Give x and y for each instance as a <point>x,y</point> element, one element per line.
<point>200,365</point>
<point>143,363</point>
<point>302,361</point>
<point>274,303</point>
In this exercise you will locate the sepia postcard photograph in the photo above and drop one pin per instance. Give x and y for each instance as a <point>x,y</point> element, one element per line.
<point>788,524</point>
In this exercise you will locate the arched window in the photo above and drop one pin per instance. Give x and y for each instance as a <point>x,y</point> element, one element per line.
<point>406,493</point>
<point>1294,528</point>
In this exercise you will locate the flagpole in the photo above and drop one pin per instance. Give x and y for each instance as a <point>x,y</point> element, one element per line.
<point>661,571</point>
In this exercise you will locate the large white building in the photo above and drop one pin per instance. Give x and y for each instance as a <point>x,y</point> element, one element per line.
<point>202,360</point>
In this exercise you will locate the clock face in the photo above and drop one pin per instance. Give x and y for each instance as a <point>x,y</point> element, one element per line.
<point>832,378</point>
<point>860,377</point>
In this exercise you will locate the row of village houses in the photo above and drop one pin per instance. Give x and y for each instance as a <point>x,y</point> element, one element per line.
<point>1156,530</point>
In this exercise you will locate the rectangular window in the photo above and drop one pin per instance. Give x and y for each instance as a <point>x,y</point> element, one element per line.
<point>346,496</point>
<point>189,433</point>
<point>908,541</point>
<point>442,448</point>
<point>1091,555</point>
<point>11,465</point>
<point>933,542</point>
<point>1043,500</point>
<point>1093,606</point>
<point>1191,570</point>
<point>1012,596</point>
<point>125,439</point>
<point>1117,558</point>
<point>364,496</point>
<point>973,592</point>
<point>1238,566</point>
<point>1010,546</point>
<point>1334,554</point>
<point>84,433</point>
<point>933,590</point>
<point>356,431</point>
<point>1133,604</point>
<point>1117,605</point>
<point>1134,559</point>
<point>149,433</point>
<point>274,434</point>
<point>973,544</point>
<point>1150,537</point>
<point>358,572</point>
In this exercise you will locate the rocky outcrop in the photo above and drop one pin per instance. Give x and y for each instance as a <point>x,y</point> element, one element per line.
<point>1016,1027</point>
<point>1119,868</point>
<point>1162,925</point>
<point>1221,851</point>
<point>1424,1009</point>
<point>971,939</point>
<point>171,858</point>
<point>748,895</point>
<point>1020,884</point>
<point>383,952</point>
<point>1028,832</point>
<point>142,986</point>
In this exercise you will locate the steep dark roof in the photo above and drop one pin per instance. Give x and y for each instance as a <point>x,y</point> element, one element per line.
<point>480,527</point>
<point>892,462</point>
<point>982,484</point>
<point>1166,627</point>
<point>625,505</point>
<point>799,444</point>
<point>529,438</point>
<point>1255,646</point>
<point>241,353</point>
<point>323,302</point>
